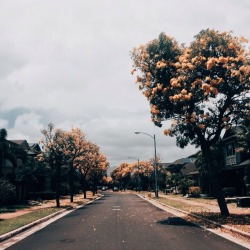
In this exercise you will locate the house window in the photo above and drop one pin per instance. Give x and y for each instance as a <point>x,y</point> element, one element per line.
<point>230,149</point>
<point>231,156</point>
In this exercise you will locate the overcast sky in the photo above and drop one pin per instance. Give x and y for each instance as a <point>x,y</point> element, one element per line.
<point>68,62</point>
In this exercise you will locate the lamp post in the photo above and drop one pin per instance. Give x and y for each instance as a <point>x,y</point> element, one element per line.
<point>155,167</point>
<point>138,166</point>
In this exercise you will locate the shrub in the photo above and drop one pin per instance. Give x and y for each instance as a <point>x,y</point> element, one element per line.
<point>229,191</point>
<point>65,189</point>
<point>194,191</point>
<point>7,192</point>
<point>185,184</point>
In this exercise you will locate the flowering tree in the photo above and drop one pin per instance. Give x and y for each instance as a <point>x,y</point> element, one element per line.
<point>121,175</point>
<point>75,148</point>
<point>84,164</point>
<point>98,169</point>
<point>202,88</point>
<point>53,154</point>
<point>128,175</point>
<point>91,164</point>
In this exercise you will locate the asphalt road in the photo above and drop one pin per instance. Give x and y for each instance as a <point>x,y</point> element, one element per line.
<point>122,221</point>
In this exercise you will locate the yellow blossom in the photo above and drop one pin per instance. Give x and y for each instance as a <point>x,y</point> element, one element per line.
<point>159,86</point>
<point>164,90</point>
<point>177,65</point>
<point>173,82</point>
<point>205,87</point>
<point>242,69</point>
<point>184,91</point>
<point>207,79</point>
<point>138,79</point>
<point>230,45</point>
<point>214,90</point>
<point>132,71</point>
<point>188,97</point>
<point>223,59</point>
<point>214,82</point>
<point>210,63</point>
<point>190,66</point>
<point>166,132</point>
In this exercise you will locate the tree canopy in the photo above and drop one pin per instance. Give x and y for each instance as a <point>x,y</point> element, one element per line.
<point>71,150</point>
<point>202,88</point>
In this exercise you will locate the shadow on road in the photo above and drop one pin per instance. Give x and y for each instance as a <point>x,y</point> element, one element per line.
<point>176,221</point>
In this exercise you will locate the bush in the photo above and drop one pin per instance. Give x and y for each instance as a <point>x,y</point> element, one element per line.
<point>65,189</point>
<point>229,191</point>
<point>194,191</point>
<point>7,192</point>
<point>184,185</point>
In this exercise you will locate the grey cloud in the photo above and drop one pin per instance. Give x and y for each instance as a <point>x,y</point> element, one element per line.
<point>68,63</point>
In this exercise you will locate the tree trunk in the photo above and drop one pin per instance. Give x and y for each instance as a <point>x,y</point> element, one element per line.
<point>58,185</point>
<point>84,191</point>
<point>214,178</point>
<point>1,165</point>
<point>71,183</point>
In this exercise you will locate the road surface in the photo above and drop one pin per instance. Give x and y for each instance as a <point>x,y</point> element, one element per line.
<point>122,221</point>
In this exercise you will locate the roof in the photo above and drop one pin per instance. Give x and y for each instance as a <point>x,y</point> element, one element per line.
<point>188,168</point>
<point>244,163</point>
<point>193,173</point>
<point>22,143</point>
<point>232,133</point>
<point>182,161</point>
<point>35,146</point>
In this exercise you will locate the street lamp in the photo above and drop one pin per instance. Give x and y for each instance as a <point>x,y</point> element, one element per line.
<point>155,167</point>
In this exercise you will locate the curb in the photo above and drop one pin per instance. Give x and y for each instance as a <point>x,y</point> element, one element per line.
<point>28,226</point>
<point>10,234</point>
<point>232,229</point>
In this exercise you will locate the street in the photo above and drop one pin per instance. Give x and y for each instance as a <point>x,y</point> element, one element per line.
<point>122,221</point>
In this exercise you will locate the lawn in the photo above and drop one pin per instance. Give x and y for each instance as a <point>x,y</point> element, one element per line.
<point>239,221</point>
<point>12,224</point>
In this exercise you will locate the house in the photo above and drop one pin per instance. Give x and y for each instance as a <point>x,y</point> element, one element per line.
<point>234,171</point>
<point>190,171</point>
<point>25,172</point>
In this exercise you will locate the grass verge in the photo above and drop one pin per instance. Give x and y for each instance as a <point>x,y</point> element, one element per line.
<point>12,224</point>
<point>183,206</point>
<point>239,221</point>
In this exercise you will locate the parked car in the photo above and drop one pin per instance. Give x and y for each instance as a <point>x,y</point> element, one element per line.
<point>115,189</point>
